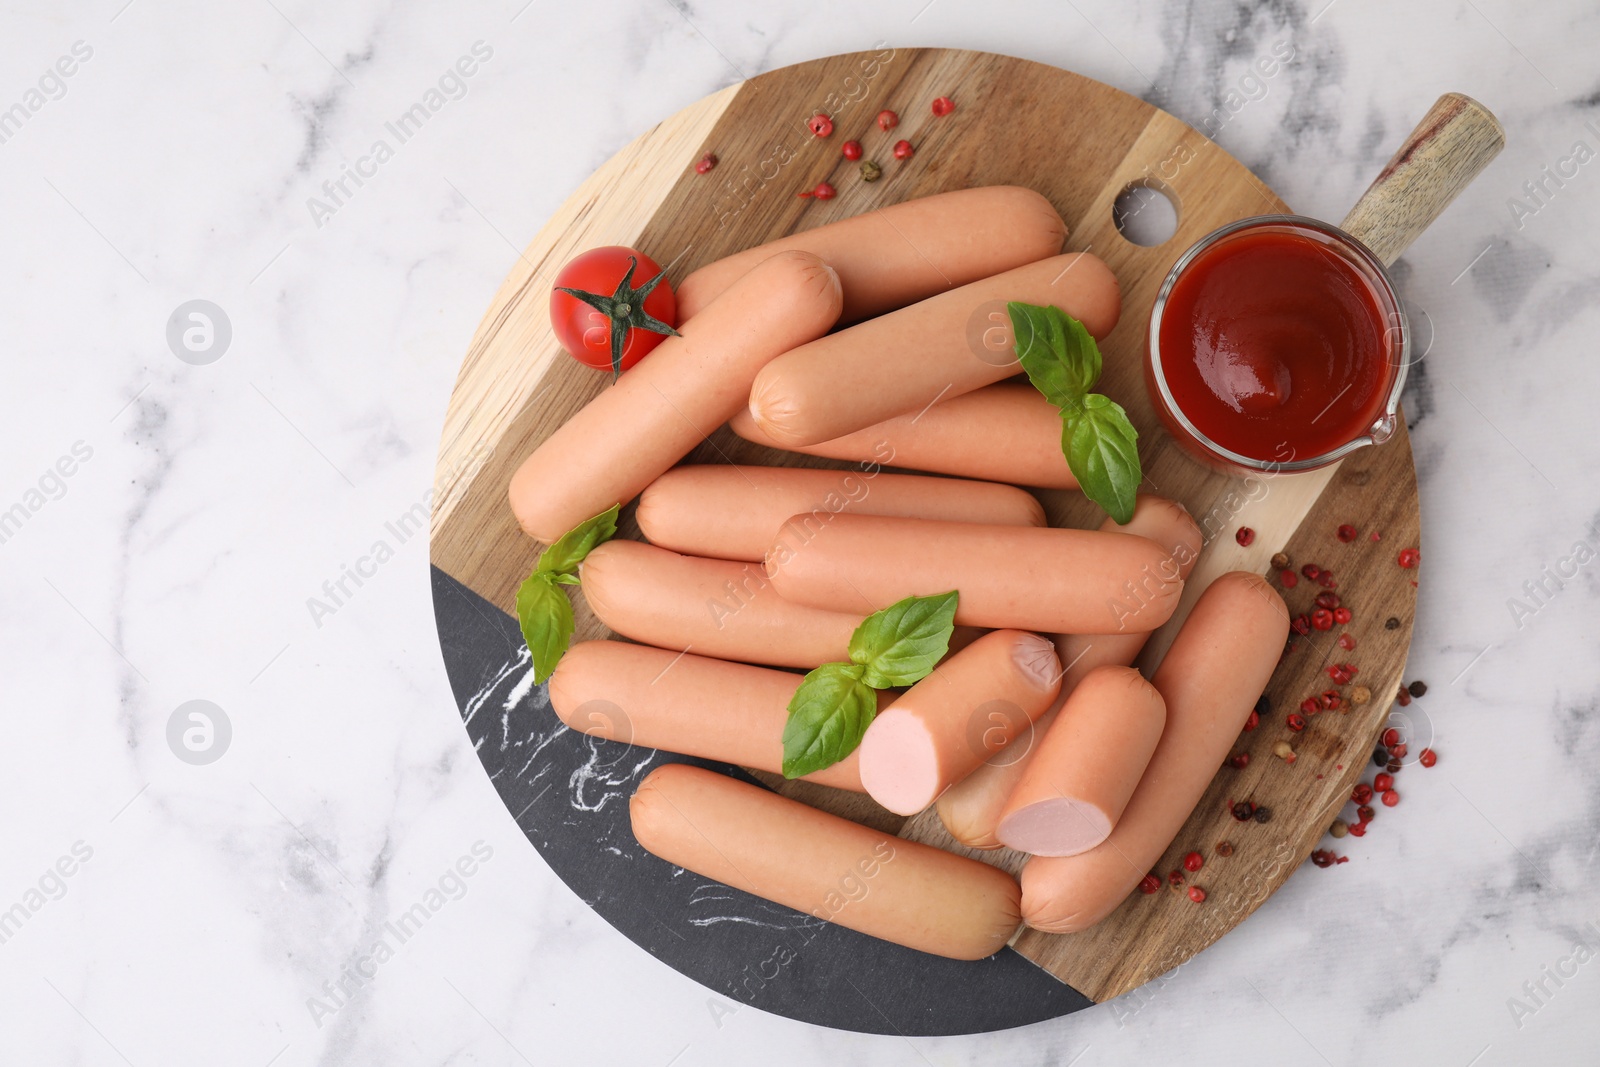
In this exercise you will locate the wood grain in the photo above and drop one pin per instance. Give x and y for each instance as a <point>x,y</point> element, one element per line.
<point>1081,144</point>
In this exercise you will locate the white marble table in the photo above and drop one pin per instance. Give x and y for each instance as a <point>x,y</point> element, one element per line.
<point>212,507</point>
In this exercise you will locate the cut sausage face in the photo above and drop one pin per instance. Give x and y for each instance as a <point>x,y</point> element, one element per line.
<point>1078,783</point>
<point>831,868</point>
<point>660,410</point>
<point>709,708</point>
<point>1002,433</point>
<point>1210,679</point>
<point>900,363</point>
<point>733,512</point>
<point>971,808</point>
<point>1041,579</point>
<point>943,727</point>
<point>896,255</point>
<point>716,607</point>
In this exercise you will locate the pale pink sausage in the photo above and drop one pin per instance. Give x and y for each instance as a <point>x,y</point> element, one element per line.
<point>683,703</point>
<point>971,808</point>
<point>831,868</point>
<point>712,607</point>
<point>1018,577</point>
<point>656,413</point>
<point>902,362</point>
<point>1002,433</point>
<point>1078,783</point>
<point>939,729</point>
<point>733,512</point>
<point>897,255</point>
<point>1210,678</point>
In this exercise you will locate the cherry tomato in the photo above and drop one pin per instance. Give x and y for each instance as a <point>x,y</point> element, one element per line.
<point>646,303</point>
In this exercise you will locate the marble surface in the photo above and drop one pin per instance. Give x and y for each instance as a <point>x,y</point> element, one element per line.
<point>220,509</point>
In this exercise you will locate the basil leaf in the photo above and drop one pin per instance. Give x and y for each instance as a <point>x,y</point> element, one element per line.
<point>901,644</point>
<point>545,615</point>
<point>828,715</point>
<point>564,556</point>
<point>1061,359</point>
<point>1101,449</point>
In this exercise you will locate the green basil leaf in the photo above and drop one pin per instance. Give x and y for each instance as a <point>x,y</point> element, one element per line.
<point>545,615</point>
<point>1061,359</point>
<point>1102,450</point>
<point>901,644</point>
<point>564,556</point>
<point>827,717</point>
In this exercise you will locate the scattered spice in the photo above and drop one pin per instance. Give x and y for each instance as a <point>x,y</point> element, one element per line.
<point>1427,757</point>
<point>1311,571</point>
<point>1149,884</point>
<point>1309,706</point>
<point>1380,755</point>
<point>851,149</point>
<point>1399,751</point>
<point>1197,894</point>
<point>707,161</point>
<point>1193,862</point>
<point>1239,760</point>
<point>1362,794</point>
<point>1301,624</point>
<point>1342,616</point>
<point>1391,623</point>
<point>1265,814</point>
<point>1252,720</point>
<point>1296,721</point>
<point>870,171</point>
<point>887,120</point>
<point>1391,736</point>
<point>1245,536</point>
<point>903,150</point>
<point>1243,810</point>
<point>1328,600</point>
<point>1325,579</point>
<point>1376,536</point>
<point>1224,849</point>
<point>1288,579</point>
<point>1393,765</point>
<point>1280,561</point>
<point>1408,558</point>
<point>1390,798</point>
<point>943,105</point>
<point>1347,533</point>
<point>1283,751</point>
<point>1365,813</point>
<point>1175,878</point>
<point>1322,858</point>
<point>1322,619</point>
<point>1358,830</point>
<point>1418,688</point>
<point>1383,783</point>
<point>1339,828</point>
<point>823,191</point>
<point>820,125</point>
<point>1346,642</point>
<point>1403,697</point>
<point>1263,705</point>
<point>1360,695</point>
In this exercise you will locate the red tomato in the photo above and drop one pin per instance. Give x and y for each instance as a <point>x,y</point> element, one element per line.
<point>584,330</point>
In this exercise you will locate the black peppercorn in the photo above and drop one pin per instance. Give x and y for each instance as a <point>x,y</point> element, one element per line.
<point>1380,756</point>
<point>1243,810</point>
<point>1391,623</point>
<point>1263,815</point>
<point>1417,688</point>
<point>1263,706</point>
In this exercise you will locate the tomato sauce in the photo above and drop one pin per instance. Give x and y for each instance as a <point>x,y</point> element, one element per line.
<point>1276,347</point>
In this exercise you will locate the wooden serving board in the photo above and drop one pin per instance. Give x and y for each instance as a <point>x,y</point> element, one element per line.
<point>1081,144</point>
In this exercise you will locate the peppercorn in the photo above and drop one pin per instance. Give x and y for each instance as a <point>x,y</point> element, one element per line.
<point>1339,828</point>
<point>1263,705</point>
<point>1360,695</point>
<point>1418,688</point>
<point>1224,849</point>
<point>1328,600</point>
<point>1342,616</point>
<point>1265,814</point>
<point>1311,570</point>
<point>1193,862</point>
<point>1346,642</point>
<point>1403,697</point>
<point>1428,757</point>
<point>1322,619</point>
<point>1382,783</point>
<point>1393,765</point>
<point>1365,813</point>
<point>1289,579</point>
<point>1176,878</point>
<point>1380,755</point>
<point>1197,894</point>
<point>1239,760</point>
<point>1322,858</point>
<point>1301,624</point>
<point>1391,736</point>
<point>707,162</point>
<point>1243,810</point>
<point>1325,579</point>
<point>1391,623</point>
<point>1284,751</point>
<point>870,171</point>
<point>1347,533</point>
<point>1295,721</point>
<point>1390,798</point>
<point>1408,558</point>
<point>1399,751</point>
<point>1252,720</point>
<point>1149,884</point>
<point>1280,561</point>
<point>1245,536</point>
<point>1362,793</point>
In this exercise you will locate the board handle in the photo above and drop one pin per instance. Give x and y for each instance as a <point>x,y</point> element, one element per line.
<point>1454,141</point>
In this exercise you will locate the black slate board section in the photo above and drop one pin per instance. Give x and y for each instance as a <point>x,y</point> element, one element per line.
<point>569,794</point>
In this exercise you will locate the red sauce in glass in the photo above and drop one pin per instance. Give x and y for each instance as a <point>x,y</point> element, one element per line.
<point>1275,347</point>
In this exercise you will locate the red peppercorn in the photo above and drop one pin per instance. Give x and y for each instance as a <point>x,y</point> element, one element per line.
<point>1382,783</point>
<point>1409,557</point>
<point>1365,813</point>
<point>1376,536</point>
<point>1295,721</point>
<point>1176,878</point>
<point>1252,720</point>
<point>1342,616</point>
<point>1398,751</point>
<point>1402,698</point>
<point>1239,760</point>
<point>1245,536</point>
<point>1310,706</point>
<point>1347,533</point>
<point>887,120</point>
<point>851,149</point>
<point>1357,829</point>
<point>1346,642</point>
<point>1428,757</point>
<point>1149,884</point>
<point>707,161</point>
<point>1244,811</point>
<point>1322,619</point>
<point>823,191</point>
<point>1322,858</point>
<point>1193,862</point>
<point>1391,736</point>
<point>1301,624</point>
<point>1361,794</point>
<point>1311,570</point>
<point>1288,579</point>
<point>1390,798</point>
<point>943,105</point>
<point>1328,600</point>
<point>1325,579</point>
<point>820,125</point>
<point>1196,894</point>
<point>903,150</point>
